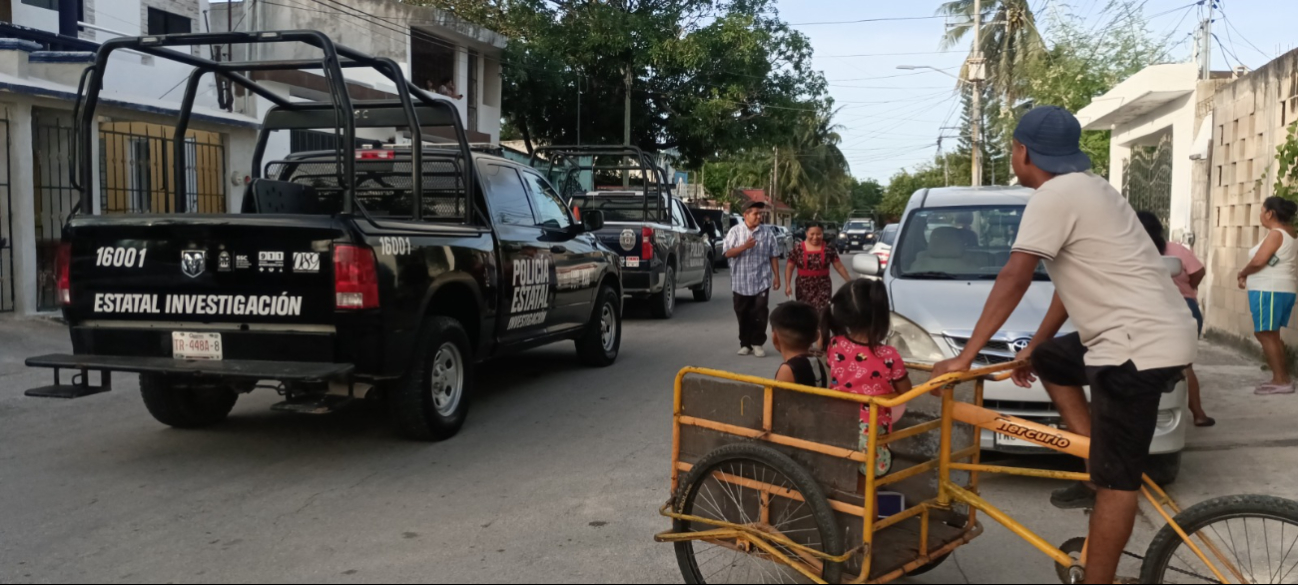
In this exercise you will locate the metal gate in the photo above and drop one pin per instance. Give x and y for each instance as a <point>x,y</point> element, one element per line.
<point>7,287</point>
<point>136,174</point>
<point>1147,178</point>
<point>54,197</point>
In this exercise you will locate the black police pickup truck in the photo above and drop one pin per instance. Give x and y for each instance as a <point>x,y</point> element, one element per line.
<point>384,273</point>
<point>661,247</point>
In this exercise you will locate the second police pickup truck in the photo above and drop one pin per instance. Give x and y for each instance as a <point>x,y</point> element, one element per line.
<point>382,273</point>
<point>661,247</point>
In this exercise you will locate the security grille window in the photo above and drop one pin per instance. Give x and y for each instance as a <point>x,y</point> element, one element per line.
<point>162,22</point>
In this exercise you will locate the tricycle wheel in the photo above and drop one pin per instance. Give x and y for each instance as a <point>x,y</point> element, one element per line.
<point>1254,534</point>
<point>1072,547</point>
<point>724,486</point>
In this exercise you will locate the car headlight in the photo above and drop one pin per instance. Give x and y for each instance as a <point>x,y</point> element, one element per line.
<point>912,342</point>
<point>842,236</point>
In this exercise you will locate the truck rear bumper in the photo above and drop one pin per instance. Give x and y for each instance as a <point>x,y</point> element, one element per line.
<point>242,369</point>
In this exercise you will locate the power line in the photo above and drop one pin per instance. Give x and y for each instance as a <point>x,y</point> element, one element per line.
<point>864,20</point>
<point>888,54</point>
<point>1231,25</point>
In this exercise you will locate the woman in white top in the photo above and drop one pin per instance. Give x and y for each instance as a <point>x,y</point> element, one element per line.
<point>1271,278</point>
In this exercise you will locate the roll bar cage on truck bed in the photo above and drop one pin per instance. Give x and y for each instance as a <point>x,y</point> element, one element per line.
<point>413,110</point>
<point>564,166</point>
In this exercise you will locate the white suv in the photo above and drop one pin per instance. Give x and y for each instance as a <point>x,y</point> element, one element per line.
<point>952,244</point>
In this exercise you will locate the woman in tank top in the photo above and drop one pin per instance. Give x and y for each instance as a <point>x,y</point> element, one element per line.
<point>1271,278</point>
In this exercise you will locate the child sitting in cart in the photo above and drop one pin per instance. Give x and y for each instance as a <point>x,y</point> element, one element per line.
<point>853,330</point>
<point>795,327</point>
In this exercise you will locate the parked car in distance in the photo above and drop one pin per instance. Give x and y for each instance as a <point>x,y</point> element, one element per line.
<point>883,246</point>
<point>938,280</point>
<point>783,239</point>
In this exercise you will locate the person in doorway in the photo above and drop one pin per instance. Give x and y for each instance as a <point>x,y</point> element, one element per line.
<point>1192,273</point>
<point>1134,336</point>
<point>754,270</point>
<point>812,258</point>
<point>1271,278</point>
<point>446,87</point>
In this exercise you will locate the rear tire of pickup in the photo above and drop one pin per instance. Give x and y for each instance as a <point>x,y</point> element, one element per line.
<point>663,304</point>
<point>432,401</point>
<point>703,292</point>
<point>183,406</point>
<point>599,345</point>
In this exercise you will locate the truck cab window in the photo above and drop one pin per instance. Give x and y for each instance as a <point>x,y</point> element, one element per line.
<point>507,196</point>
<point>550,210</point>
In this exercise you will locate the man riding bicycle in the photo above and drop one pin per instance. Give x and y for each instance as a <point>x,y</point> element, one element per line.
<point>1134,332</point>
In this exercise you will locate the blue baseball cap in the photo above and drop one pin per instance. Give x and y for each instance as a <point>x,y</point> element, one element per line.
<point>1053,138</point>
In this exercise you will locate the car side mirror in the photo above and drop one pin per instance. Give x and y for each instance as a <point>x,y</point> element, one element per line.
<point>867,265</point>
<point>593,220</point>
<point>1173,265</point>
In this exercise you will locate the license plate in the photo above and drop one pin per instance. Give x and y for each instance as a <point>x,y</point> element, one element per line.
<point>1008,441</point>
<point>632,262</point>
<point>196,346</point>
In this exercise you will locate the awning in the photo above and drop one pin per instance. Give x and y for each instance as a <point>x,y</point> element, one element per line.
<point>1202,140</point>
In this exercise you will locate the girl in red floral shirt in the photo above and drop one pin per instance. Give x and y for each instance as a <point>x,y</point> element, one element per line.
<point>854,329</point>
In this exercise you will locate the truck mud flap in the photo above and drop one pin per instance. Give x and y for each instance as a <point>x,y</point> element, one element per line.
<point>244,369</point>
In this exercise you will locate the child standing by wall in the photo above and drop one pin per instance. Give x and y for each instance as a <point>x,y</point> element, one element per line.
<point>853,331</point>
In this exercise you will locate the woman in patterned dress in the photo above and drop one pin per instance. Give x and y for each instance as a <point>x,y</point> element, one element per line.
<point>812,259</point>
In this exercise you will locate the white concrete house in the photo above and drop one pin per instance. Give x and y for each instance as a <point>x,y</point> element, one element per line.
<point>430,45</point>
<point>1160,107</point>
<point>44,47</point>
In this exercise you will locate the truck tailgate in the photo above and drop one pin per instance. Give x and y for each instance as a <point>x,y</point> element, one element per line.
<point>203,269</point>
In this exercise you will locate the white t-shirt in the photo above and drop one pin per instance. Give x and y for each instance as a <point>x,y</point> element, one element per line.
<point>1108,273</point>
<point>1279,273</point>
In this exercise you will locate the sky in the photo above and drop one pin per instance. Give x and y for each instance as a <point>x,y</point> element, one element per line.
<point>891,118</point>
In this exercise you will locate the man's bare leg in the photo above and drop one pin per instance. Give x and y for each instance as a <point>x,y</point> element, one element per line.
<point>1111,522</point>
<point>1071,402</point>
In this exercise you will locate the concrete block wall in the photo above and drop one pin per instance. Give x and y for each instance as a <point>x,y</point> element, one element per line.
<point>1249,118</point>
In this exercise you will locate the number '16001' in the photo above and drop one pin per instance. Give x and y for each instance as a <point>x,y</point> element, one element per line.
<point>113,257</point>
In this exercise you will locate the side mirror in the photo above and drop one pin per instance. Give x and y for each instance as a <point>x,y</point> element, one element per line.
<point>593,220</point>
<point>1173,265</point>
<point>867,265</point>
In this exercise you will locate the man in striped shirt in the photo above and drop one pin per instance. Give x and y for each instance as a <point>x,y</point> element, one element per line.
<point>754,270</point>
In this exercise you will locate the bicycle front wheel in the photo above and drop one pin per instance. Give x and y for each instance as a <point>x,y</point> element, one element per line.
<point>1249,539</point>
<point>758,487</point>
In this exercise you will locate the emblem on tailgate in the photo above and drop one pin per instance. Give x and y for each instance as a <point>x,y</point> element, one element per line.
<point>193,262</point>
<point>627,240</point>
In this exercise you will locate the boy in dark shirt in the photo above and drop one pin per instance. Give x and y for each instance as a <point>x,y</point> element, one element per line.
<point>794,329</point>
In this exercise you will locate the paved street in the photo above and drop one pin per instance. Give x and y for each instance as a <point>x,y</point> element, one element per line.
<point>557,476</point>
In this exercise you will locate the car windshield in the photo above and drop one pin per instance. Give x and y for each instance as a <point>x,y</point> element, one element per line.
<point>857,225</point>
<point>959,243</point>
<point>889,235</point>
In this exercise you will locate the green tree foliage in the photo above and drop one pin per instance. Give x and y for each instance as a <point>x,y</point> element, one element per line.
<point>867,194</point>
<point>708,77</point>
<point>1286,158</point>
<point>1009,40</point>
<point>904,184</point>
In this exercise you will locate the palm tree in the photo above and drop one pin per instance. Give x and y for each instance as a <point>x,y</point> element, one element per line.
<point>1010,40</point>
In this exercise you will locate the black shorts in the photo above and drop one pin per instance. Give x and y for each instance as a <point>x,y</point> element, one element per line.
<point>1124,407</point>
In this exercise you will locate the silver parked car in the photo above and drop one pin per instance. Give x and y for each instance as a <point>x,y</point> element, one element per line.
<point>951,244</point>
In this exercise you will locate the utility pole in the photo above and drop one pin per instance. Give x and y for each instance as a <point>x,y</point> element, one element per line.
<point>626,127</point>
<point>1203,46</point>
<point>775,180</point>
<point>975,72</point>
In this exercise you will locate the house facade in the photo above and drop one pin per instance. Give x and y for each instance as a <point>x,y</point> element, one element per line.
<point>45,45</point>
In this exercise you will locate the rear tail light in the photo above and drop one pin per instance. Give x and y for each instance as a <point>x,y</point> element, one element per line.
<point>646,243</point>
<point>576,213</point>
<point>356,279</point>
<point>63,268</point>
<point>883,258</point>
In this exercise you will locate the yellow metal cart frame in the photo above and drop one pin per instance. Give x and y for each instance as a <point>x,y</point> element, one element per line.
<point>809,561</point>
